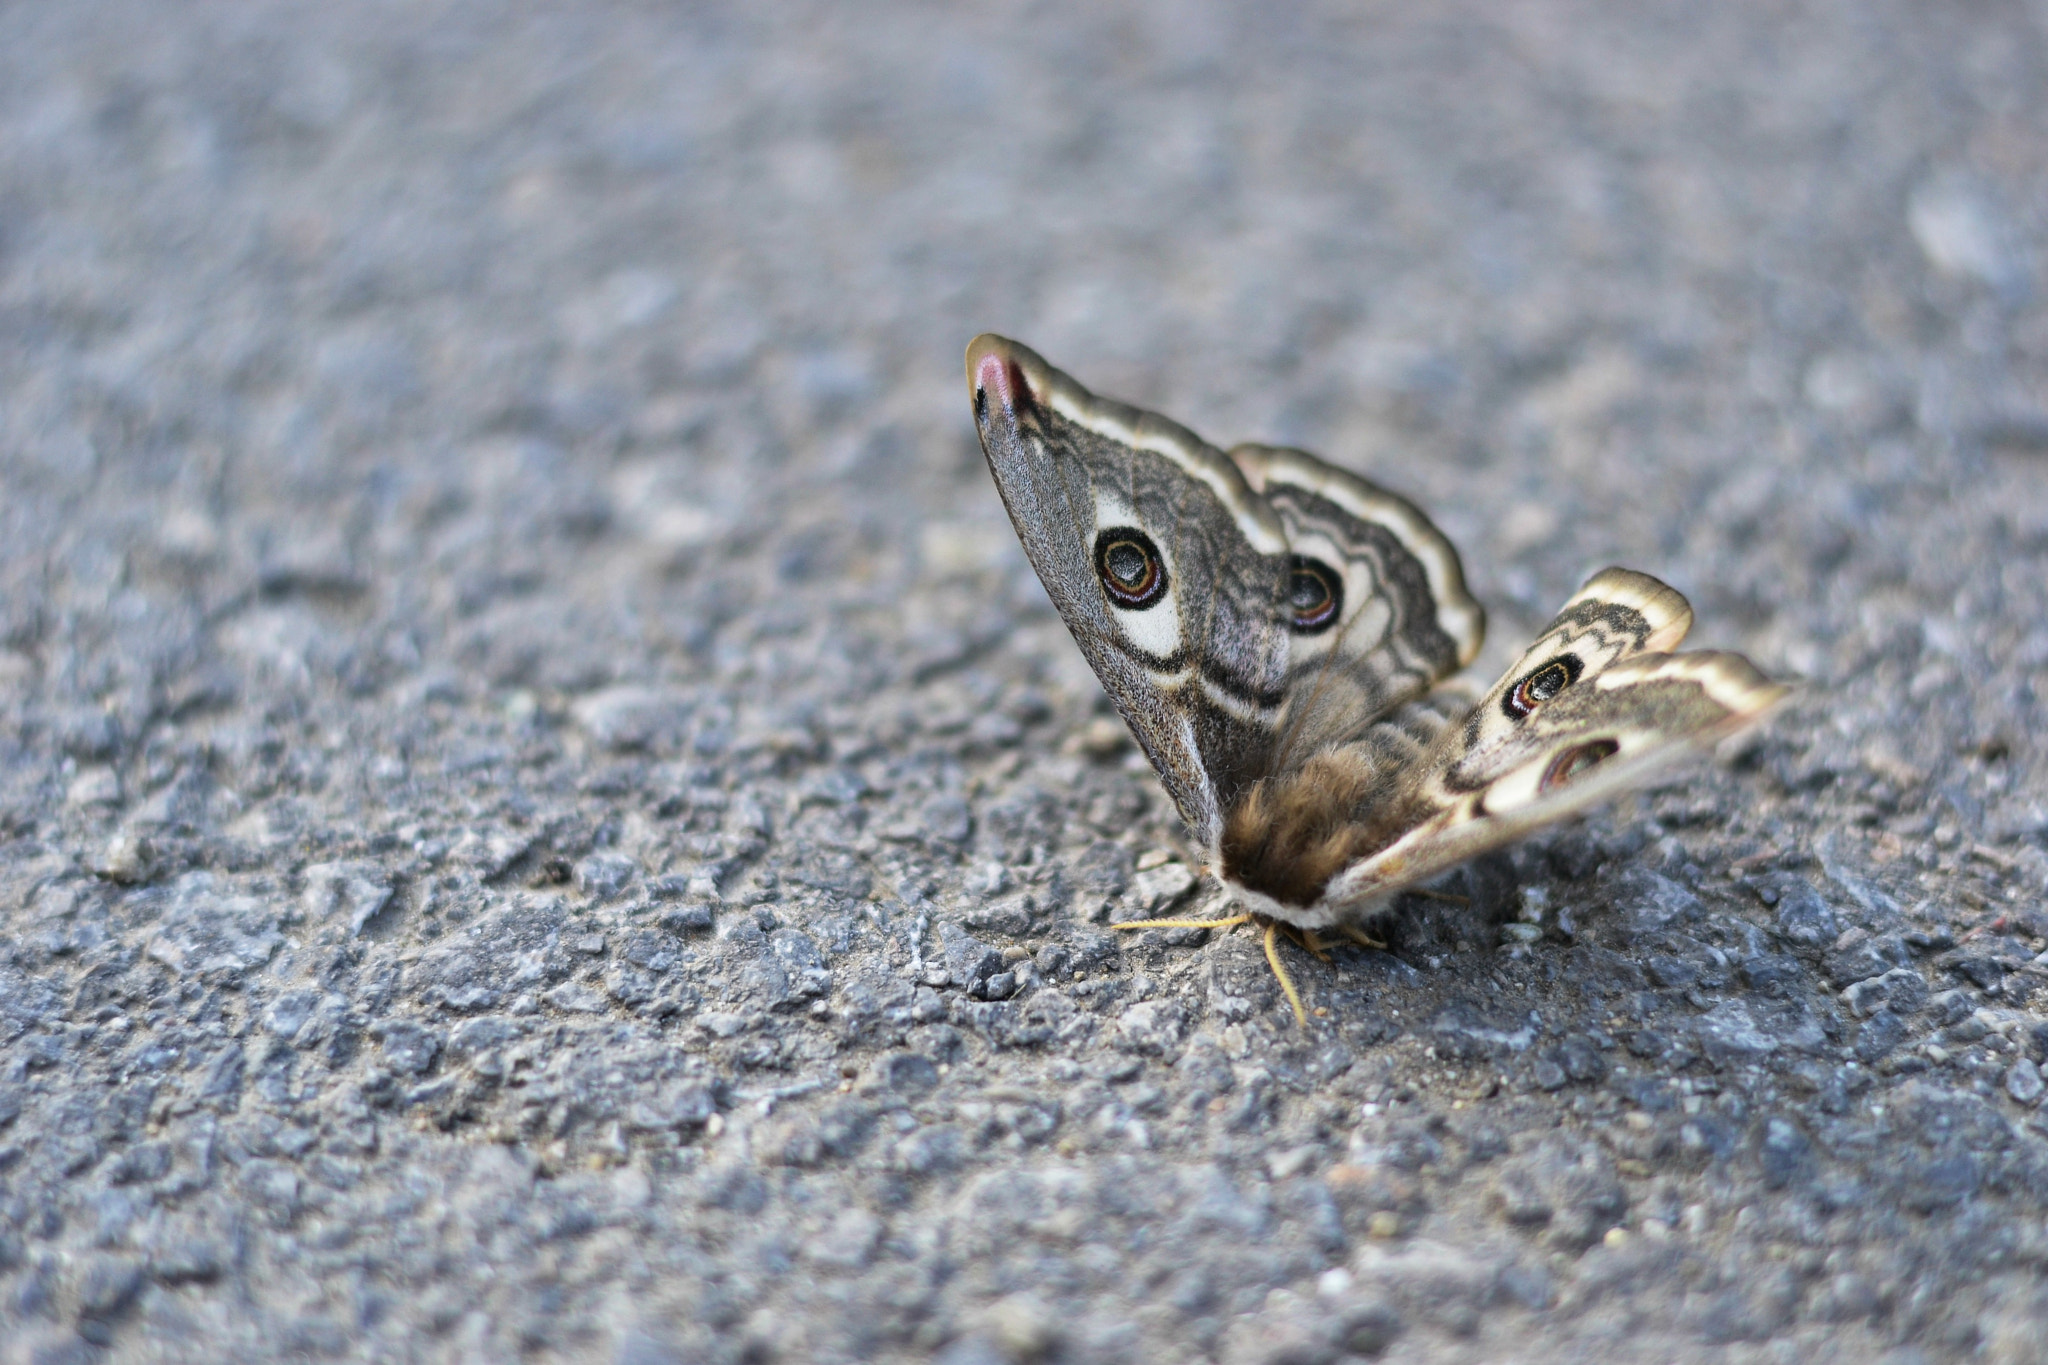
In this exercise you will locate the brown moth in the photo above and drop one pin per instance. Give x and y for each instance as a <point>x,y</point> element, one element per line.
<point>1277,633</point>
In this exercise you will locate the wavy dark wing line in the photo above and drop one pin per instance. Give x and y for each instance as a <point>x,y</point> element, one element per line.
<point>1407,622</point>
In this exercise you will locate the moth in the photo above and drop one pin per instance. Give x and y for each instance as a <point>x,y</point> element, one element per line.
<point>1278,632</point>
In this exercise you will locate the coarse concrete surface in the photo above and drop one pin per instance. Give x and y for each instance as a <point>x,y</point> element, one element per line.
<point>543,815</point>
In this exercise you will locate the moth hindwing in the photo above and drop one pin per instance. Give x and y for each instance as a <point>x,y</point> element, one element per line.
<point>1278,632</point>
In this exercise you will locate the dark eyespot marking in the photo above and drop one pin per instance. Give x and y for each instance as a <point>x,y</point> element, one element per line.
<point>1130,568</point>
<point>1315,595</point>
<point>1576,760</point>
<point>980,404</point>
<point>1543,683</point>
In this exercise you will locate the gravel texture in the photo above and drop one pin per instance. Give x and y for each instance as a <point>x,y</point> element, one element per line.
<point>546,817</point>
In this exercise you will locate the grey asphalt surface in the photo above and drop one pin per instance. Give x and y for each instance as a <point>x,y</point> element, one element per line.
<point>545,816</point>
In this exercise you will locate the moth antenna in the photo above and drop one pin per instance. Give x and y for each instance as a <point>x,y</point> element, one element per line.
<point>1231,922</point>
<point>1286,981</point>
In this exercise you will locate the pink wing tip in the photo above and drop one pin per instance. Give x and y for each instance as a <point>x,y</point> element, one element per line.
<point>998,378</point>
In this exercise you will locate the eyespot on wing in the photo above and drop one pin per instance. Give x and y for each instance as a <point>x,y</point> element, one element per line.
<point>1541,684</point>
<point>1128,563</point>
<point>1315,595</point>
<point>1578,759</point>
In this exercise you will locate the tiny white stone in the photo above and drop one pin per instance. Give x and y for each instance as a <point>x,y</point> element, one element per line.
<point>128,858</point>
<point>1960,233</point>
<point>2023,1082</point>
<point>1162,886</point>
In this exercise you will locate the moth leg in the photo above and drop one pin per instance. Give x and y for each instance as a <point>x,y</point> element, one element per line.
<point>1229,923</point>
<point>1309,939</point>
<point>1359,936</point>
<point>1286,982</point>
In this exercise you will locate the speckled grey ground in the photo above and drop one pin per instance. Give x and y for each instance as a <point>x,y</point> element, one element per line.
<point>546,817</point>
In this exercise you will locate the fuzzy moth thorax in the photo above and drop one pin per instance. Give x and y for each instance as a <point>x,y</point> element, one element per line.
<point>1287,836</point>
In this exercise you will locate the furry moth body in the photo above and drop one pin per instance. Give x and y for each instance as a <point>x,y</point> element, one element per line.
<point>1277,631</point>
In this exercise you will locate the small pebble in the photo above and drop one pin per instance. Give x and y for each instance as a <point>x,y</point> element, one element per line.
<point>128,859</point>
<point>2023,1081</point>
